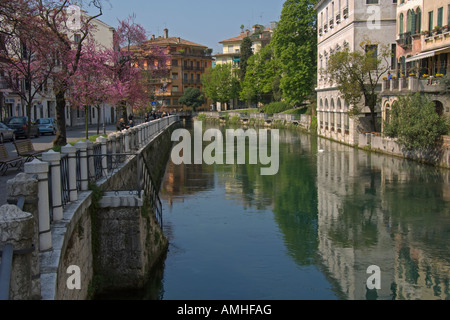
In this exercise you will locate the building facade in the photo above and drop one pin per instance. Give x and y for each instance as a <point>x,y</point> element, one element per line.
<point>231,52</point>
<point>423,53</point>
<point>344,24</point>
<point>188,61</point>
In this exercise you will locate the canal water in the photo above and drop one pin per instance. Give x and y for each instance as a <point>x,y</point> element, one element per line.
<point>310,232</point>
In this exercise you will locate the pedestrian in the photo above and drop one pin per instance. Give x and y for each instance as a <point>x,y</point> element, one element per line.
<point>122,125</point>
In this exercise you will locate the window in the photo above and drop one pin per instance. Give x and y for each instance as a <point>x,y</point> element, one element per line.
<point>411,22</point>
<point>371,1</point>
<point>77,38</point>
<point>174,63</point>
<point>393,56</point>
<point>448,15</point>
<point>175,89</point>
<point>418,21</point>
<point>430,21</point>
<point>175,76</point>
<point>401,24</point>
<point>440,17</point>
<point>373,50</point>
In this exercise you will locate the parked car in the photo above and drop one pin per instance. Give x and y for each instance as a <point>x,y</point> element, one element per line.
<point>6,133</point>
<point>20,124</point>
<point>47,125</point>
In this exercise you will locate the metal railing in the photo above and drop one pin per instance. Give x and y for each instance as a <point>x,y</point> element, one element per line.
<point>65,185</point>
<point>150,189</point>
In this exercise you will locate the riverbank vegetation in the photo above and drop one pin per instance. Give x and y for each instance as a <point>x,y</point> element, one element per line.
<point>414,122</point>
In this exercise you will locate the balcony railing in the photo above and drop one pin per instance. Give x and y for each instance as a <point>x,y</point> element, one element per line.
<point>405,40</point>
<point>193,68</point>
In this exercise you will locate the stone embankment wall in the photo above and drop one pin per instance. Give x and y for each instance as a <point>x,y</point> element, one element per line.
<point>109,236</point>
<point>439,156</point>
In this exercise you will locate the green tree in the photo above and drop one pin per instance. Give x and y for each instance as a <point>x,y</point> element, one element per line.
<point>295,45</point>
<point>192,97</point>
<point>246,54</point>
<point>413,120</point>
<point>262,80</point>
<point>220,84</point>
<point>357,75</point>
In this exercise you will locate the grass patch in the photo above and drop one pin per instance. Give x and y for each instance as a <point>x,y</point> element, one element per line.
<point>298,111</point>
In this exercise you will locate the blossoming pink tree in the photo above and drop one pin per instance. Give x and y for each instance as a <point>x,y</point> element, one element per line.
<point>26,54</point>
<point>56,17</point>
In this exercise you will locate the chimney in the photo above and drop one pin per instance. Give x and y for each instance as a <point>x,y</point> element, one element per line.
<point>153,37</point>
<point>166,33</point>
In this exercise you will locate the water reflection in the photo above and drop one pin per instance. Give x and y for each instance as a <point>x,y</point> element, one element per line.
<point>384,211</point>
<point>340,211</point>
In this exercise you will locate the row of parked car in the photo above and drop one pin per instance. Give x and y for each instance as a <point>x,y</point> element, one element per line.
<point>16,127</point>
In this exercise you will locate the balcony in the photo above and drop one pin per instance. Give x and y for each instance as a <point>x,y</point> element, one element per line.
<point>338,18</point>
<point>412,85</point>
<point>331,24</point>
<point>193,68</point>
<point>192,81</point>
<point>405,40</point>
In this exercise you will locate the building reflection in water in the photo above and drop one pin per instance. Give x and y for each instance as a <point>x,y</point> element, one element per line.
<point>384,211</point>
<point>344,210</point>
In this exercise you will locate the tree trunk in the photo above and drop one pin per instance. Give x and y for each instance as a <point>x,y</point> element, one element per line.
<point>86,121</point>
<point>98,120</point>
<point>61,135</point>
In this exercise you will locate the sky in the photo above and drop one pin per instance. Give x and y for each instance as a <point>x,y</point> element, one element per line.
<point>205,22</point>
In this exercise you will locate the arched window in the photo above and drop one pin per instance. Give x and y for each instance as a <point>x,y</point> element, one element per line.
<point>401,24</point>
<point>439,108</point>
<point>411,21</point>
<point>388,113</point>
<point>418,21</point>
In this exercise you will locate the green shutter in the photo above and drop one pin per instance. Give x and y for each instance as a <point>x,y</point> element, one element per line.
<point>430,21</point>
<point>440,17</point>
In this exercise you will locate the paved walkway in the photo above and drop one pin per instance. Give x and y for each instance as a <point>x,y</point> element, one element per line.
<point>44,143</point>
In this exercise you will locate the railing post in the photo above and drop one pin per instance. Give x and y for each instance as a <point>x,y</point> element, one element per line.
<point>141,136</point>
<point>127,141</point>
<point>102,141</point>
<point>119,143</point>
<point>82,147</point>
<point>54,159</point>
<point>113,139</point>
<point>71,153</point>
<point>17,234</point>
<point>40,170</point>
<point>90,159</point>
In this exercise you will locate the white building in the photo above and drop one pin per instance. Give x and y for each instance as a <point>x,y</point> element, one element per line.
<point>346,24</point>
<point>45,103</point>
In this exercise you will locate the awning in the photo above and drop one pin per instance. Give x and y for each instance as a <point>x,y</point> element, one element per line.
<point>424,55</point>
